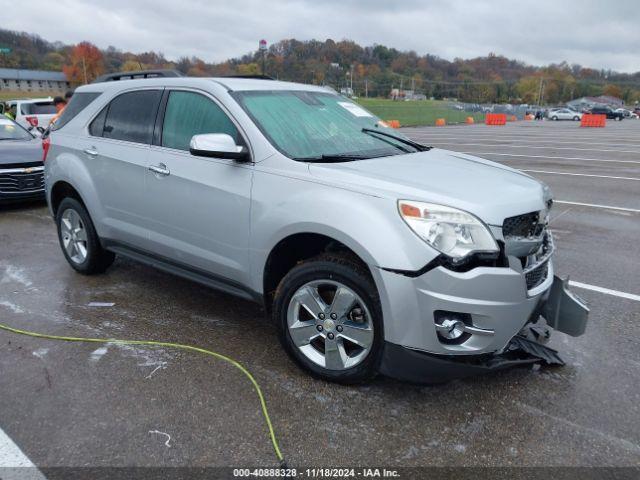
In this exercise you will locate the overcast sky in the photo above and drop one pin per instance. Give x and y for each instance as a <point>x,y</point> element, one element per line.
<point>599,34</point>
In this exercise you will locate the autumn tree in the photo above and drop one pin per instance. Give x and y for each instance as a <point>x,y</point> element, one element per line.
<point>612,91</point>
<point>85,64</point>
<point>131,66</point>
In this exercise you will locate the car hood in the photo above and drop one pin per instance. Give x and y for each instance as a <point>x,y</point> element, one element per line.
<point>20,151</point>
<point>487,189</point>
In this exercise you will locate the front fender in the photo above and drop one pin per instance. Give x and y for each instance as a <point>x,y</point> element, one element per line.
<point>367,224</point>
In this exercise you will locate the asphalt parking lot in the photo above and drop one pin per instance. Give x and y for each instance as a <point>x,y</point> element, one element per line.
<point>89,405</point>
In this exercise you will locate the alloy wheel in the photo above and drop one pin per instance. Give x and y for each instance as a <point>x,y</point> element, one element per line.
<point>74,236</point>
<point>330,324</point>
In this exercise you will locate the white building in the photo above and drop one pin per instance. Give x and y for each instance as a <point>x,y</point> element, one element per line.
<point>32,80</point>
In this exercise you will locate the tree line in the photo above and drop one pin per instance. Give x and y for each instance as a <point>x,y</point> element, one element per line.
<point>370,70</point>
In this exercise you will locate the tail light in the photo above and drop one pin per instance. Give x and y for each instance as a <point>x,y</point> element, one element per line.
<point>33,121</point>
<point>46,143</point>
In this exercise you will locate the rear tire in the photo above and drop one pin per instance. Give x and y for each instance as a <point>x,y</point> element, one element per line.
<point>576,119</point>
<point>78,239</point>
<point>345,347</point>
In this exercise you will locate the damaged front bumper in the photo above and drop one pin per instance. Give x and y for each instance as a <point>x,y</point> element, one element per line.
<point>419,367</point>
<point>563,311</point>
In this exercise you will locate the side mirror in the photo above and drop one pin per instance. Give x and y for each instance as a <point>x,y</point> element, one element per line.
<point>217,145</point>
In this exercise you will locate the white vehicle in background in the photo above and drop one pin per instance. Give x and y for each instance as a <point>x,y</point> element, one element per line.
<point>32,113</point>
<point>626,113</point>
<point>565,114</point>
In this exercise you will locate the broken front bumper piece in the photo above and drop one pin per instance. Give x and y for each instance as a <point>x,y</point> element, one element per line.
<point>421,367</point>
<point>563,311</point>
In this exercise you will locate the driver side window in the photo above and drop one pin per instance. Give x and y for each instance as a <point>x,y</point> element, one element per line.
<point>188,114</point>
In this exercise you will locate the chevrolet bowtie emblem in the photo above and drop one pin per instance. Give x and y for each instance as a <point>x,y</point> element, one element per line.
<point>28,170</point>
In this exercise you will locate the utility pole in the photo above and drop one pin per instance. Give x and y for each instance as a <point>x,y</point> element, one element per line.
<point>540,92</point>
<point>366,88</point>
<point>351,79</point>
<point>262,47</point>
<point>84,70</point>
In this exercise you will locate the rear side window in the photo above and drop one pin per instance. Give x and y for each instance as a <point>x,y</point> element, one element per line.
<point>131,116</point>
<point>40,108</point>
<point>78,102</point>
<point>97,126</point>
<point>188,114</point>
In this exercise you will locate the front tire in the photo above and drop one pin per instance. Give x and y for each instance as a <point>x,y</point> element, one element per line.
<point>78,239</point>
<point>329,318</point>
<point>554,118</point>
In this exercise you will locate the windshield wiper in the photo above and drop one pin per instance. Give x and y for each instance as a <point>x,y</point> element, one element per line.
<point>418,146</point>
<point>333,158</point>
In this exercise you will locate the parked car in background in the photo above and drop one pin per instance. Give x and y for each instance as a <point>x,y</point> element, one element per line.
<point>32,113</point>
<point>608,111</point>
<point>21,167</point>
<point>564,114</point>
<point>371,252</point>
<point>626,113</point>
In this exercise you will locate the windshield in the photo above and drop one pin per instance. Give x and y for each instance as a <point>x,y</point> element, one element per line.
<point>312,125</point>
<point>12,131</point>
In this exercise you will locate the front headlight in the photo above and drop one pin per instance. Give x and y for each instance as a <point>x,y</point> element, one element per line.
<point>451,231</point>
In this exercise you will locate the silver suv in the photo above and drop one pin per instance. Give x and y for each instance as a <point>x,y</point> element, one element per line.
<point>372,253</point>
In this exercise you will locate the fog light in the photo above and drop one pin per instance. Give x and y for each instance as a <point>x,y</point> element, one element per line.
<point>451,329</point>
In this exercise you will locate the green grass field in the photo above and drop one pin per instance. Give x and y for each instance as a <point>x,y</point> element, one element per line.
<point>10,94</point>
<point>419,112</point>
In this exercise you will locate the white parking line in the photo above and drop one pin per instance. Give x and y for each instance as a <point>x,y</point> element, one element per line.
<point>608,160</point>
<point>595,205</point>
<point>15,465</point>
<point>514,136</point>
<point>541,147</point>
<point>436,137</point>
<point>581,175</point>
<point>607,291</point>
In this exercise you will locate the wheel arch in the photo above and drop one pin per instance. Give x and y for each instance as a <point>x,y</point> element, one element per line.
<point>297,247</point>
<point>61,190</point>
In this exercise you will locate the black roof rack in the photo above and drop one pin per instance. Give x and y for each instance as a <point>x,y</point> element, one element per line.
<point>257,77</point>
<point>138,74</point>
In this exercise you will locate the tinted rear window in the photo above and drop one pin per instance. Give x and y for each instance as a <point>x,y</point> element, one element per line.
<point>40,108</point>
<point>78,102</point>
<point>131,116</point>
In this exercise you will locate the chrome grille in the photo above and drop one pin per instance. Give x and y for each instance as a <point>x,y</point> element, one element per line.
<point>537,275</point>
<point>527,225</point>
<point>16,182</point>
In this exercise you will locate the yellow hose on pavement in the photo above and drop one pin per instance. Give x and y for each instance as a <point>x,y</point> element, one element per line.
<point>179,346</point>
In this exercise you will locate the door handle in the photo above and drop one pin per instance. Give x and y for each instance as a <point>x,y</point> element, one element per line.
<point>160,169</point>
<point>92,152</point>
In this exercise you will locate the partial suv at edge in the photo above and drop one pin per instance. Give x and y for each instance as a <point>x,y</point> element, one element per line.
<point>371,252</point>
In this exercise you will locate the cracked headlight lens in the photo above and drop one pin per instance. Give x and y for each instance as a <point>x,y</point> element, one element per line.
<point>451,231</point>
